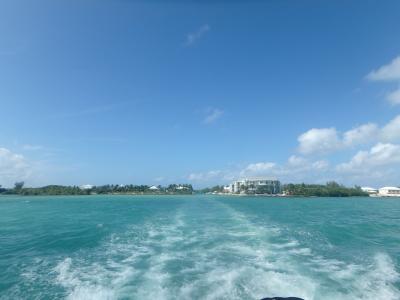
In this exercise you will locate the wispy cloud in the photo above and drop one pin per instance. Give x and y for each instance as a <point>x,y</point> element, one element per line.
<point>86,112</point>
<point>28,147</point>
<point>99,139</point>
<point>394,97</point>
<point>213,114</point>
<point>205,176</point>
<point>387,73</point>
<point>92,110</point>
<point>193,37</point>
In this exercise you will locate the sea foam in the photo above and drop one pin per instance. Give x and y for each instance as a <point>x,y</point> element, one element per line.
<point>185,257</point>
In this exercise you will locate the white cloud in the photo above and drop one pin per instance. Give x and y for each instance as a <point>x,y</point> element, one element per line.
<point>213,115</point>
<point>322,140</point>
<point>379,165</point>
<point>391,132</point>
<point>13,167</point>
<point>394,97</point>
<point>320,165</point>
<point>301,165</point>
<point>259,169</point>
<point>389,72</point>
<point>361,134</point>
<point>261,166</point>
<point>296,161</point>
<point>296,169</point>
<point>378,156</point>
<point>206,176</point>
<point>327,140</point>
<point>193,37</point>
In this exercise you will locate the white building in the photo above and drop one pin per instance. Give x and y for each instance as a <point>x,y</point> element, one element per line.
<point>153,188</point>
<point>86,187</point>
<point>181,187</point>
<point>256,186</point>
<point>370,190</point>
<point>227,189</point>
<point>389,191</point>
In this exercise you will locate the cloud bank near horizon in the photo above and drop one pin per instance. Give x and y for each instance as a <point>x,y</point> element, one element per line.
<point>377,158</point>
<point>375,151</point>
<point>13,167</point>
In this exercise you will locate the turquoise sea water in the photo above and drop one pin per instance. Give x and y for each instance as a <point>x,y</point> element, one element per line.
<point>199,247</point>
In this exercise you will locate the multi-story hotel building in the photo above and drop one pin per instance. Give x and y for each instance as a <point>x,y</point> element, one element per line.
<point>256,186</point>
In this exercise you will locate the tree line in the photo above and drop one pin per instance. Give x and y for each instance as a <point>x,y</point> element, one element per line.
<point>175,189</point>
<point>330,189</point>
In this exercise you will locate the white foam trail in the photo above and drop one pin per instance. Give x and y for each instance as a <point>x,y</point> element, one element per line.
<point>374,281</point>
<point>91,282</point>
<point>378,282</point>
<point>197,257</point>
<point>112,273</point>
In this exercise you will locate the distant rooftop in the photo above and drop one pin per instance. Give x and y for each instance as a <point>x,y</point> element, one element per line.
<point>367,188</point>
<point>390,188</point>
<point>258,179</point>
<point>86,186</point>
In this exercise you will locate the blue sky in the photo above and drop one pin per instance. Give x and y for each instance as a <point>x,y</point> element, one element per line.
<point>96,92</point>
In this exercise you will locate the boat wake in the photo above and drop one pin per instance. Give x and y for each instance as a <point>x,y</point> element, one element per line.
<point>219,253</point>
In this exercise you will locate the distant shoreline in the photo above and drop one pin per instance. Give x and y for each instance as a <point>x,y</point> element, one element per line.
<point>291,196</point>
<point>195,194</point>
<point>85,195</point>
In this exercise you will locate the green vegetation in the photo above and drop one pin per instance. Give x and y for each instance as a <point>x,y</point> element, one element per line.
<point>18,186</point>
<point>214,189</point>
<point>53,190</point>
<point>331,189</point>
<point>173,189</point>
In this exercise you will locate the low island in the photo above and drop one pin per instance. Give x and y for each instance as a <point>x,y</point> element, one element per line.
<point>330,189</point>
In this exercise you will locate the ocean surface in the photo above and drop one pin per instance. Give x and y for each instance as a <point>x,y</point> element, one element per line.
<point>199,247</point>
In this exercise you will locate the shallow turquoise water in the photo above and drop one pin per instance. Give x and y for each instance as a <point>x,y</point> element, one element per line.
<point>199,247</point>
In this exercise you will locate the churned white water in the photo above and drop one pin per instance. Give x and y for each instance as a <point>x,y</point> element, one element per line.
<point>214,249</point>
